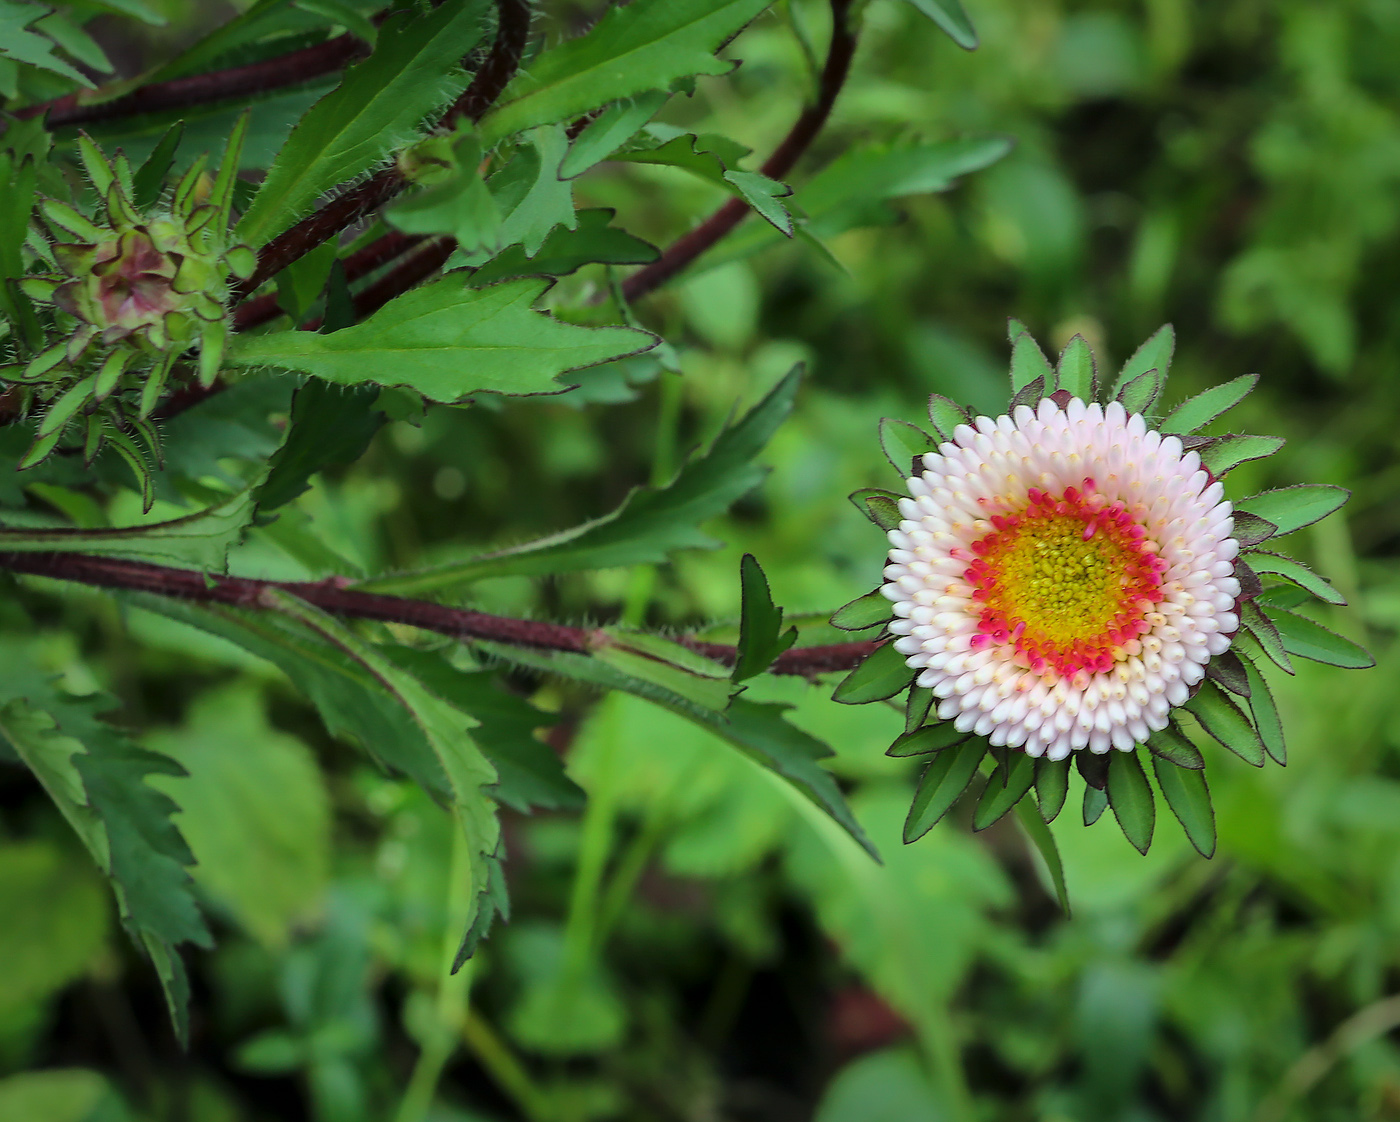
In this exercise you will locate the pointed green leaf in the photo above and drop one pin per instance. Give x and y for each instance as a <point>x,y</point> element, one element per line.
<point>1044,841</point>
<point>609,131</point>
<point>1188,796</point>
<point>1155,354</point>
<point>870,610</point>
<point>1228,452</point>
<point>447,341</point>
<point>1172,746</point>
<point>917,707</point>
<point>883,674</point>
<point>1261,628</point>
<point>1224,720</point>
<point>21,45</point>
<point>1076,372</point>
<point>927,740</point>
<point>1006,787</point>
<point>881,507</point>
<point>1227,670</point>
<point>904,443</point>
<point>1265,712</point>
<point>940,786</point>
<point>761,638</point>
<point>1292,508</point>
<point>1306,639</point>
<point>1051,787</point>
<point>1095,802</point>
<point>950,17</point>
<point>946,415</point>
<point>650,524</point>
<point>1028,362</point>
<point>1263,561</point>
<point>1130,796</point>
<point>329,427</point>
<point>1139,395</point>
<point>1197,412</point>
<point>1251,530</point>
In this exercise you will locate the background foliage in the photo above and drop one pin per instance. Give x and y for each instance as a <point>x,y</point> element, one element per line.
<point>700,942</point>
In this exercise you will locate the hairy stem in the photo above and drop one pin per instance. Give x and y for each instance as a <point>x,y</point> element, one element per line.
<point>688,247</point>
<point>336,597</point>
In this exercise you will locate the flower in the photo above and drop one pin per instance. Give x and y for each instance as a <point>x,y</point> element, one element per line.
<point>1061,577</point>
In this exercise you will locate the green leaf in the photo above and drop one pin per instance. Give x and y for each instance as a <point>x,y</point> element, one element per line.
<point>1306,639</point>
<point>951,18</point>
<point>903,444</point>
<point>565,251</point>
<point>1196,412</point>
<point>883,674</point>
<point>761,638</point>
<point>1224,720</point>
<point>1172,746</point>
<point>1154,354</point>
<point>1007,786</point>
<point>1265,712</point>
<point>533,198</point>
<point>26,47</point>
<point>1261,629</point>
<point>1292,508</point>
<point>1076,372</point>
<point>1131,798</point>
<point>703,685</point>
<point>377,107</point>
<point>1039,835</point>
<point>1095,803</point>
<point>459,205</point>
<point>201,540</point>
<point>1051,787</point>
<point>631,50</point>
<point>940,786</point>
<point>1188,796</point>
<point>1227,670</point>
<point>864,612</point>
<point>650,524</point>
<point>1139,395</point>
<point>1028,362</point>
<point>447,341</point>
<point>927,739</point>
<point>1228,452</point>
<point>946,415</point>
<point>329,426</point>
<point>609,131</point>
<point>1262,561</point>
<point>881,507</point>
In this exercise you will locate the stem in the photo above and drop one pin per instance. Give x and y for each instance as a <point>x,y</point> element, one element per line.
<point>599,817</point>
<point>508,1073</point>
<point>335,597</point>
<point>668,415</point>
<point>688,247</point>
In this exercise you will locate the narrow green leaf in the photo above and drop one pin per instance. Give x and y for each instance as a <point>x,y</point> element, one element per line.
<point>1306,639</point>
<point>1095,802</point>
<point>1040,836</point>
<point>883,674</point>
<point>1051,787</point>
<point>1076,372</point>
<point>927,740</point>
<point>1224,720</point>
<point>1196,412</point>
<point>1028,362</point>
<point>1188,796</point>
<point>761,638</point>
<point>1130,796</point>
<point>1265,712</point>
<point>951,19</point>
<point>447,340</point>
<point>21,45</point>
<point>903,443</point>
<point>1261,628</point>
<point>631,50</point>
<point>870,610</point>
<point>940,786</point>
<point>329,426</point>
<point>609,131</point>
<point>946,415</point>
<point>1295,571</point>
<point>1140,394</point>
<point>1227,671</point>
<point>881,507</point>
<point>1292,508</point>
<point>1154,354</point>
<point>1228,452</point>
<point>1006,787</point>
<point>650,524</point>
<point>1172,746</point>
<point>917,706</point>
<point>377,107</point>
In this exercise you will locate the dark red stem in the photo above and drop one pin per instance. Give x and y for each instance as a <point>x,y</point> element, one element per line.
<point>331,596</point>
<point>688,247</point>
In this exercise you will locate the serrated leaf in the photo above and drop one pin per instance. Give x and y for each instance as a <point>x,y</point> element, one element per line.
<point>564,251</point>
<point>1051,787</point>
<point>903,444</point>
<point>631,50</point>
<point>1188,796</point>
<point>21,45</point>
<point>1007,786</point>
<point>1292,508</point>
<point>447,340</point>
<point>1196,412</point>
<point>1028,362</point>
<point>1228,452</point>
<point>1306,639</point>
<point>329,426</point>
<point>1265,712</point>
<point>946,415</point>
<point>951,19</point>
<point>870,610</point>
<point>1261,628</point>
<point>1040,836</point>
<point>650,524</point>
<point>1140,393</point>
<point>533,199</point>
<point>1296,572</point>
<point>1154,354</point>
<point>927,740</point>
<point>941,785</point>
<point>1172,746</point>
<point>609,131</point>
<point>882,674</point>
<point>1095,803</point>
<point>377,106</point>
<point>761,638</point>
<point>881,507</point>
<point>1076,372</point>
<point>1226,722</point>
<point>1130,796</point>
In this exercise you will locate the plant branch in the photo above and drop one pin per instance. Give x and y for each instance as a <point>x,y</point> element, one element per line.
<point>336,597</point>
<point>688,247</point>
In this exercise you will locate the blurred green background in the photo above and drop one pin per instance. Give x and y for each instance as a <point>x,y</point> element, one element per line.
<point>1233,168</point>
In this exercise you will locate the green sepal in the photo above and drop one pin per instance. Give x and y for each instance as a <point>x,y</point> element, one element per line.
<point>941,785</point>
<point>1196,412</point>
<point>1039,835</point>
<point>1276,564</point>
<point>1292,508</point>
<point>881,507</point>
<point>882,674</point>
<point>1030,395</point>
<point>1028,363</point>
<point>1188,796</point>
<point>1228,452</point>
<point>904,444</point>
<point>1077,372</point>
<point>1095,802</point>
<point>946,415</point>
<point>68,219</point>
<point>149,179</point>
<point>1007,786</point>
<point>1051,787</point>
<point>1251,530</point>
<point>951,19</point>
<point>1171,745</point>
<point>917,706</point>
<point>1140,394</point>
<point>1256,624</point>
<point>1307,639</point>
<point>864,612</point>
<point>63,409</point>
<point>1265,712</point>
<point>1227,671</point>
<point>1130,796</point>
<point>39,450</point>
<point>182,199</point>
<point>927,740</point>
<point>221,195</point>
<point>1154,354</point>
<point>1226,722</point>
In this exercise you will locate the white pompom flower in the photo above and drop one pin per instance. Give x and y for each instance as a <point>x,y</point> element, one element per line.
<point>1061,577</point>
